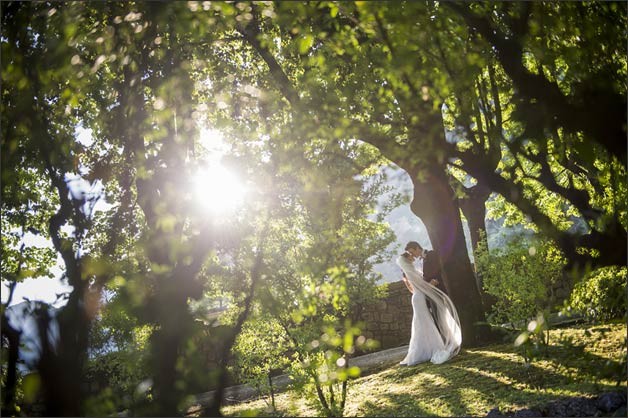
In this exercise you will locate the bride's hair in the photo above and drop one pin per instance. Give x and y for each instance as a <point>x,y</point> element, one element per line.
<point>413,244</point>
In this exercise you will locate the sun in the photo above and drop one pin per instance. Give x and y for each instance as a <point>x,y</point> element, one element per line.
<point>218,189</point>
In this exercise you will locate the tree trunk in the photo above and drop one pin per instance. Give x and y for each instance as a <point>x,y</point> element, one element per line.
<point>272,392</point>
<point>13,336</point>
<point>474,209</point>
<point>435,203</point>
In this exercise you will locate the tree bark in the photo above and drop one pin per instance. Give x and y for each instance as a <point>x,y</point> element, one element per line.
<point>473,207</point>
<point>435,203</point>
<point>611,243</point>
<point>13,338</point>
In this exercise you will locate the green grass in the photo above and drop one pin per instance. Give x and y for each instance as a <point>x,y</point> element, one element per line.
<point>478,380</point>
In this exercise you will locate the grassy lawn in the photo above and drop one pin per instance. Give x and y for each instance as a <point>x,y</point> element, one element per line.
<point>478,380</point>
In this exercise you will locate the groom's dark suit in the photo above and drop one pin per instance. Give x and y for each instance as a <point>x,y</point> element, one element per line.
<point>431,271</point>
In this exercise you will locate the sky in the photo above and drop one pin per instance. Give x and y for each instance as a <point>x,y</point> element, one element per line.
<point>405,225</point>
<point>46,289</point>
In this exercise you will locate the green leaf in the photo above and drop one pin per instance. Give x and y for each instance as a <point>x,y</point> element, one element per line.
<point>333,10</point>
<point>305,43</point>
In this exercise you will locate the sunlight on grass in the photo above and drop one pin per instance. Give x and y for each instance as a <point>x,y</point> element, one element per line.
<point>478,380</point>
<point>473,399</point>
<point>497,376</point>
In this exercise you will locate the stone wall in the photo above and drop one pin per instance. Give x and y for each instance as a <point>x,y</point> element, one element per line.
<point>389,320</point>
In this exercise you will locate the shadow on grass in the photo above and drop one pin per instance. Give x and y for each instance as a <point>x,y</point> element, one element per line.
<point>475,382</point>
<point>480,379</point>
<point>397,405</point>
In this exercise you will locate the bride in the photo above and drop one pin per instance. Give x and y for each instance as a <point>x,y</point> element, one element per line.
<point>437,338</point>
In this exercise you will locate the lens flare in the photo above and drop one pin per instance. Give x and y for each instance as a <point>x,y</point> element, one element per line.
<point>218,189</point>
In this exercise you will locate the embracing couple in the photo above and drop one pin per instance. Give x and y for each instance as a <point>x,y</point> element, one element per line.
<point>436,334</point>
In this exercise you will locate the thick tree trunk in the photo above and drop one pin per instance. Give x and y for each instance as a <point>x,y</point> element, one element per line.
<point>474,209</point>
<point>435,203</point>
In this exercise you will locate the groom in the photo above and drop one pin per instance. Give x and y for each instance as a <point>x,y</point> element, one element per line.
<point>431,267</point>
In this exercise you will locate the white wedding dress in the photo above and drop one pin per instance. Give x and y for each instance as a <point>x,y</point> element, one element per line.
<point>427,343</point>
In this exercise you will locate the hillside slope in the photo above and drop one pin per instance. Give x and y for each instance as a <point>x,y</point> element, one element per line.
<point>580,361</point>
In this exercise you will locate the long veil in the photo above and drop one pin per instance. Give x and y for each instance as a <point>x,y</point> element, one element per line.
<point>447,317</point>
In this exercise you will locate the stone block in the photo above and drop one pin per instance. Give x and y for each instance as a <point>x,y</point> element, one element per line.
<point>609,402</point>
<point>386,318</point>
<point>372,326</point>
<point>527,412</point>
<point>389,341</point>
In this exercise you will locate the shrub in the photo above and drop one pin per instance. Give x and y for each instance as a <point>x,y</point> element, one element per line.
<point>521,276</point>
<point>601,295</point>
<point>260,350</point>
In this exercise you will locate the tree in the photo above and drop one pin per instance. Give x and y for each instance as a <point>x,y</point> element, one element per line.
<point>544,117</point>
<point>63,76</point>
<point>555,96</point>
<point>37,140</point>
<point>455,68</point>
<point>133,84</point>
<point>407,132</point>
<point>318,267</point>
<point>466,98</point>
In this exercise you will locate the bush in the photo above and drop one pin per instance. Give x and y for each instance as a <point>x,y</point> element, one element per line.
<point>601,295</point>
<point>521,276</point>
<point>260,350</point>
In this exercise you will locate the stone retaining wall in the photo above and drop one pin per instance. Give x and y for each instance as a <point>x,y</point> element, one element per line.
<point>389,319</point>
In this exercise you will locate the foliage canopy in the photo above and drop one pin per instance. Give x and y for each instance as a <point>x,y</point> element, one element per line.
<point>521,101</point>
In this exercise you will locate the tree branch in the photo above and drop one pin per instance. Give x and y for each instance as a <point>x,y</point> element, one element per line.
<point>251,32</point>
<point>514,193</point>
<point>604,122</point>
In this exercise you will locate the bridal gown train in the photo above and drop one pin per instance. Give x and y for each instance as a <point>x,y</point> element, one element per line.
<point>429,342</point>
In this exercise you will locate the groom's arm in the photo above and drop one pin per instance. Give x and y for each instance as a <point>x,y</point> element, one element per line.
<point>433,282</point>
